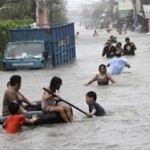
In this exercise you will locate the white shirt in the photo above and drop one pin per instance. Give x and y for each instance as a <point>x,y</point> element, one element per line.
<point>117,64</point>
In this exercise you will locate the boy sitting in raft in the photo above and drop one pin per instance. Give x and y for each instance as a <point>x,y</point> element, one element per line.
<point>94,108</point>
<point>14,123</point>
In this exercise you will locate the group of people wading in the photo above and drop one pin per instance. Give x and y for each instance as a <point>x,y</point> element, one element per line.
<point>110,50</point>
<point>116,63</point>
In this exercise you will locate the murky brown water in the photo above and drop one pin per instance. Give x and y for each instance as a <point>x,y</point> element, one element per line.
<point>127,103</point>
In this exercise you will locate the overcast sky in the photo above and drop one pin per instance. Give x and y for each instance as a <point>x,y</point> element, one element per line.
<point>75,4</point>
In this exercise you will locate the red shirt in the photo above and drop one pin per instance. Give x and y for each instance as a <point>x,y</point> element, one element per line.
<point>14,123</point>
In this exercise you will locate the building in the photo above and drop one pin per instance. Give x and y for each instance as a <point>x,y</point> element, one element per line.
<point>124,8</point>
<point>137,13</point>
<point>146,9</point>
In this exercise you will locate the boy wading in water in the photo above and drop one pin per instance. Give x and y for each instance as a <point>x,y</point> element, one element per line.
<point>94,108</point>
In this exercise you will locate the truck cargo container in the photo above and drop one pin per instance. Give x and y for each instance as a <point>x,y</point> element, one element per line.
<point>36,48</point>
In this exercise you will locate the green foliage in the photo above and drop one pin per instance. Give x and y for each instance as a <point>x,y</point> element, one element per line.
<point>4,31</point>
<point>14,10</point>
<point>5,26</point>
<point>57,11</point>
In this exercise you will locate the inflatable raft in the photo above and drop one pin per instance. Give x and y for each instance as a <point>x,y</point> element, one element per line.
<point>44,117</point>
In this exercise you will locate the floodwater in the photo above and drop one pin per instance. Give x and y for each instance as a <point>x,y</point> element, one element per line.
<point>127,124</point>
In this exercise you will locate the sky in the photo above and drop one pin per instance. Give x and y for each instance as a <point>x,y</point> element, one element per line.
<point>75,4</point>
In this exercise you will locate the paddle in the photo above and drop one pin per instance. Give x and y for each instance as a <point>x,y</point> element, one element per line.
<point>66,102</point>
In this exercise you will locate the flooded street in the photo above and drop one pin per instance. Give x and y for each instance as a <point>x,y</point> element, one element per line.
<point>127,103</point>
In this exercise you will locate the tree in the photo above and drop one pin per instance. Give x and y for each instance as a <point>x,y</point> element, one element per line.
<point>19,9</point>
<point>57,11</point>
<point>15,9</point>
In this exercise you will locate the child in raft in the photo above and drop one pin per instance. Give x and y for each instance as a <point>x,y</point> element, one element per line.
<point>13,124</point>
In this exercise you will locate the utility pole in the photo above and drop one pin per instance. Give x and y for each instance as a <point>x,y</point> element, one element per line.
<point>51,11</point>
<point>134,9</point>
<point>37,11</point>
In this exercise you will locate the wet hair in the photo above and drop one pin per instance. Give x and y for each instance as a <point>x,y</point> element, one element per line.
<point>119,43</point>
<point>13,108</point>
<point>109,40</point>
<point>118,53</point>
<point>54,83</point>
<point>127,39</point>
<point>14,79</point>
<point>92,94</point>
<point>102,65</point>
